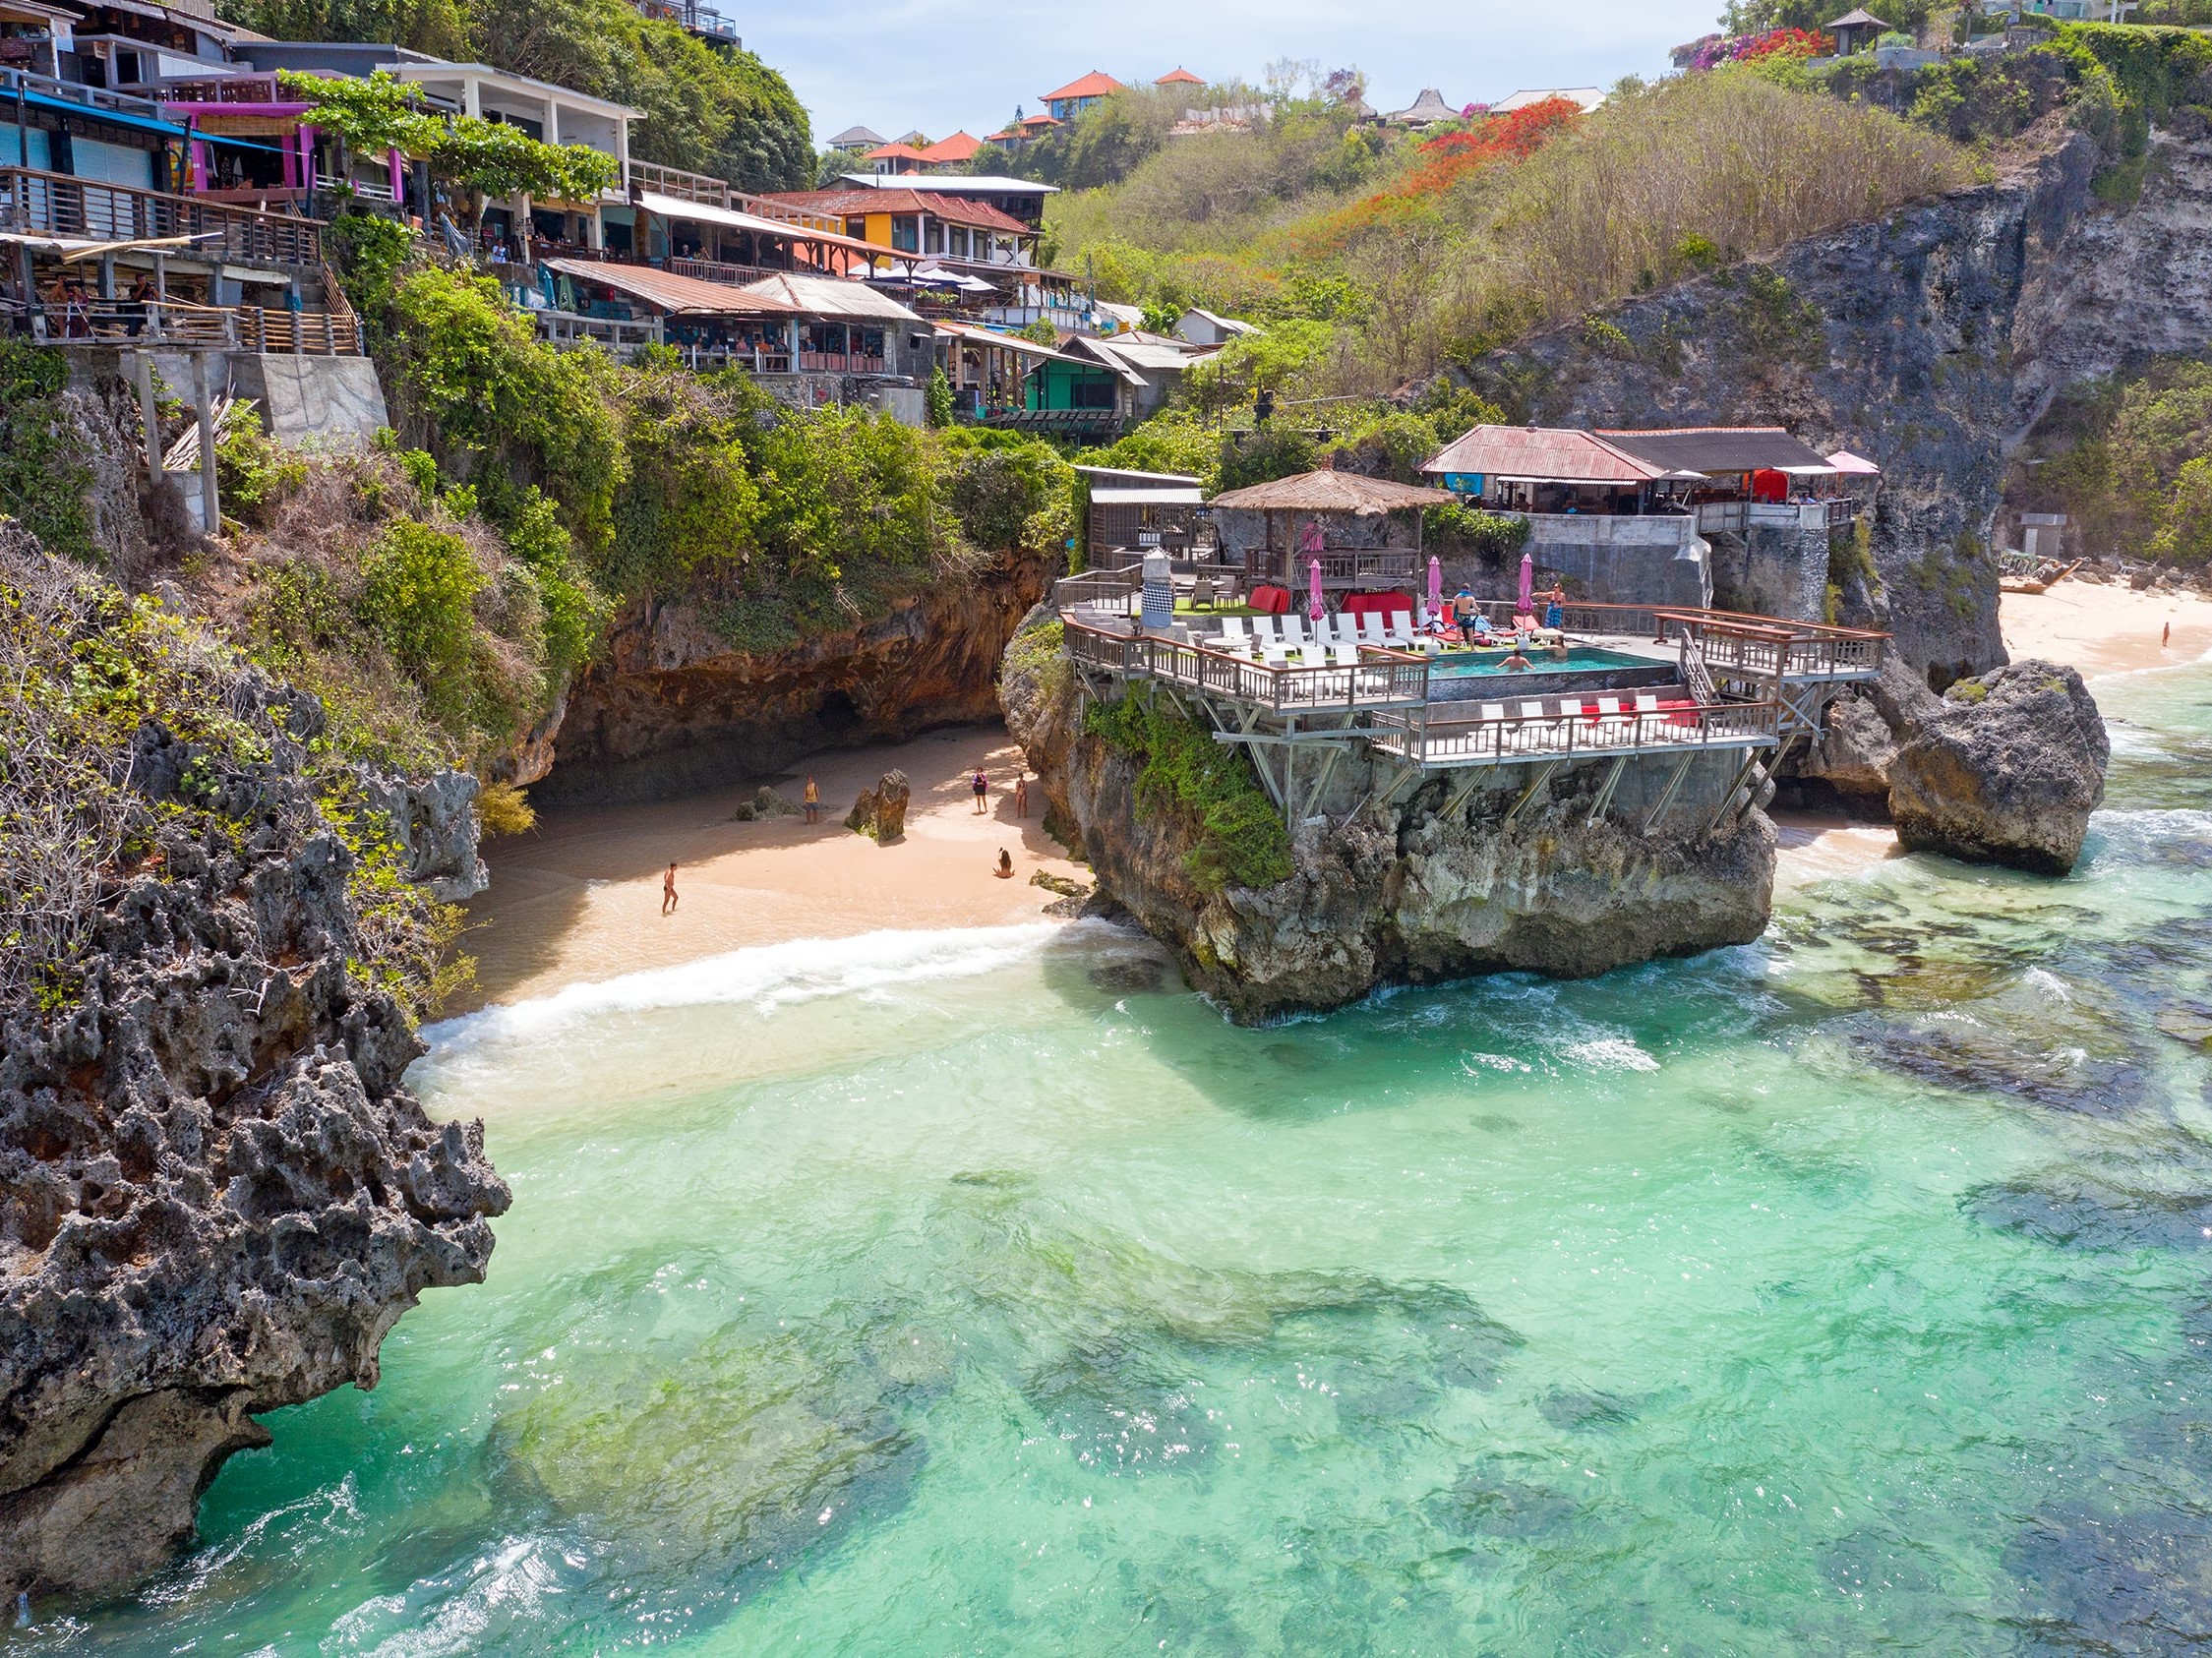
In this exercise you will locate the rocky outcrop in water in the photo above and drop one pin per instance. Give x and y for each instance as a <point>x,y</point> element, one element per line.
<point>215,1195</point>
<point>672,706</point>
<point>1420,890</point>
<point>1931,341</point>
<point>2008,773</point>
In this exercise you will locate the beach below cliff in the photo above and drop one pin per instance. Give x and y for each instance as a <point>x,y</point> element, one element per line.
<point>578,898</point>
<point>2101,630</point>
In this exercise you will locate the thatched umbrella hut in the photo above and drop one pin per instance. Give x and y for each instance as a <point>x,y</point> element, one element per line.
<point>1357,547</point>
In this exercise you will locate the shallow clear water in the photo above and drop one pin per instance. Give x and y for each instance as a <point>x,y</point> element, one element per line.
<point>987,1294</point>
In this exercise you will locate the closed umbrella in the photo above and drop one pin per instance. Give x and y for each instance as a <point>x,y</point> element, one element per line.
<point>1528,584</point>
<point>1316,608</point>
<point>1435,591</point>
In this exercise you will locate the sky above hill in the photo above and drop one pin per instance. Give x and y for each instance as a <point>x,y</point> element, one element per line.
<point>941,65</point>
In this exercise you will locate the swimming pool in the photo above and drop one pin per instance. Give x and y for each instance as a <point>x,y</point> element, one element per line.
<point>1578,659</point>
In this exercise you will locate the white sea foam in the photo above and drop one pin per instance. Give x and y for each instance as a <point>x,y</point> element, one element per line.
<point>766,976</point>
<point>1613,1053</point>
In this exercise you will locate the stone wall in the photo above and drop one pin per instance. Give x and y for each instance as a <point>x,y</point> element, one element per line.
<point>1772,572</point>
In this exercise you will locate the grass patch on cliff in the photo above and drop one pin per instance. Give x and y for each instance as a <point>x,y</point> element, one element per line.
<point>135,744</point>
<point>1241,840</point>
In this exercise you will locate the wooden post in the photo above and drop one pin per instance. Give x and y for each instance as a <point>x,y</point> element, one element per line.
<point>211,510</point>
<point>150,415</point>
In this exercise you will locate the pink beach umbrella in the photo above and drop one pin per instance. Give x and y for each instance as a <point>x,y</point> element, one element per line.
<point>1316,608</point>
<point>1435,591</point>
<point>1527,585</point>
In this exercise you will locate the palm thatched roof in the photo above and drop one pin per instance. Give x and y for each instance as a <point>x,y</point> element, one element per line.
<point>1330,492</point>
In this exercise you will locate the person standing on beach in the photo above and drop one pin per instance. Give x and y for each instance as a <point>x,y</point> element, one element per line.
<point>2167,637</point>
<point>668,890</point>
<point>979,785</point>
<point>814,802</point>
<point>1021,795</point>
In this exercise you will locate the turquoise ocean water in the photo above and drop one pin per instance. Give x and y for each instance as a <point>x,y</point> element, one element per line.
<point>987,1294</point>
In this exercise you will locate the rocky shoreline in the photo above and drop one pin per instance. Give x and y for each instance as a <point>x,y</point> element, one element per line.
<point>218,1195</point>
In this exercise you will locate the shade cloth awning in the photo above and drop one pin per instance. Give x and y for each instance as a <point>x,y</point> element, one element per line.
<point>1853,466</point>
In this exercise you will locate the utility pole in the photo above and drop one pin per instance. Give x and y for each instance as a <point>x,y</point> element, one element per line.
<point>211,510</point>
<point>151,416</point>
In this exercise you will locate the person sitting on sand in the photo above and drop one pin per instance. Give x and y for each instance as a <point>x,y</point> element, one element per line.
<point>668,890</point>
<point>1005,870</point>
<point>979,785</point>
<point>813,799</point>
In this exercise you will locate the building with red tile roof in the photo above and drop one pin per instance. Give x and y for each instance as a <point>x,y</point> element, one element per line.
<point>1080,94</point>
<point>1178,76</point>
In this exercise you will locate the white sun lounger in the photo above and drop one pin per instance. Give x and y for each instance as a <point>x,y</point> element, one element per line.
<point>1370,628</point>
<point>1233,630</point>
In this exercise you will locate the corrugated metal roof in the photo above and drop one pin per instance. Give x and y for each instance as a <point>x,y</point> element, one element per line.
<point>828,296</point>
<point>1187,496</point>
<point>1549,453</point>
<point>681,296</point>
<point>1715,448</point>
<point>954,209</point>
<point>701,212</point>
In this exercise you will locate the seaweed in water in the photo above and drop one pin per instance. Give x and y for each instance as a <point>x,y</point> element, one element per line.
<point>1580,1412</point>
<point>1119,1411</point>
<point>2045,1069</point>
<point>1486,1504</point>
<point>2084,1212</point>
<point>2114,1582</point>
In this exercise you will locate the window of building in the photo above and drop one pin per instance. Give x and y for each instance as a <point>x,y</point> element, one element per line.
<point>932,236</point>
<point>1091,393</point>
<point>906,233</point>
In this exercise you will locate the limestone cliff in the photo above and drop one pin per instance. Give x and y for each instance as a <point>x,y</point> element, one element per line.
<point>672,706</point>
<point>1930,341</point>
<point>1422,889</point>
<point>215,1195</point>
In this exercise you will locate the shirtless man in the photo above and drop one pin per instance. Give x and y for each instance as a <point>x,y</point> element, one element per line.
<point>668,890</point>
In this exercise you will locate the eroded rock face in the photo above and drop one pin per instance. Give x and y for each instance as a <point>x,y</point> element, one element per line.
<point>672,706</point>
<point>215,1195</point>
<point>880,812</point>
<point>2007,772</point>
<point>1413,893</point>
<point>434,822</point>
<point>1930,341</point>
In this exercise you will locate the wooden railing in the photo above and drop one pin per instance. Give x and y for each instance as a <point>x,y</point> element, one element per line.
<point>168,323</point>
<point>1563,727</point>
<point>35,202</point>
<point>570,329</point>
<point>1382,678</point>
<point>1339,568</point>
<point>840,362</point>
<point>719,271</point>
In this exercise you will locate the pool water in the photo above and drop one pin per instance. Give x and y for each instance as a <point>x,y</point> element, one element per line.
<point>1580,658</point>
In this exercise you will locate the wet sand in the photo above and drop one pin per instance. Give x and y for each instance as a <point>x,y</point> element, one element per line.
<point>2106,629</point>
<point>579,899</point>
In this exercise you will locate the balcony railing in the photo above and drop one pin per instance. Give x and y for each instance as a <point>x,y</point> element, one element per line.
<point>1739,517</point>
<point>622,337</point>
<point>721,271</point>
<point>1340,567</point>
<point>1565,728</point>
<point>35,203</point>
<point>98,99</point>
<point>840,362</point>
<point>228,328</point>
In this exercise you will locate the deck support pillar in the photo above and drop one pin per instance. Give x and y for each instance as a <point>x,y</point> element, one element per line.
<point>1728,800</point>
<point>1605,788</point>
<point>1543,775</point>
<point>1666,800</point>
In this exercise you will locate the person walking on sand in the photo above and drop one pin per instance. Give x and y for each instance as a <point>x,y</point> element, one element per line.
<point>2167,637</point>
<point>668,890</point>
<point>979,785</point>
<point>1005,870</point>
<point>814,802</point>
<point>1021,795</point>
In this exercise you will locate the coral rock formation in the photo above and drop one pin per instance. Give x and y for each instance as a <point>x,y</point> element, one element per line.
<point>215,1195</point>
<point>2008,773</point>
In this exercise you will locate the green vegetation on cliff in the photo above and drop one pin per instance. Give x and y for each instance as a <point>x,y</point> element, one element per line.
<point>131,737</point>
<point>1237,831</point>
<point>2129,460</point>
<point>709,110</point>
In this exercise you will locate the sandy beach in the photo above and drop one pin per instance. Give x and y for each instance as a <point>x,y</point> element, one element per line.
<point>2106,629</point>
<point>578,898</point>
